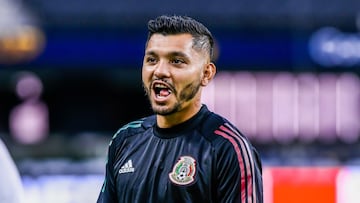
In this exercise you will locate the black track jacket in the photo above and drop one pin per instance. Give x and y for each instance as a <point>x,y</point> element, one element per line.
<point>205,159</point>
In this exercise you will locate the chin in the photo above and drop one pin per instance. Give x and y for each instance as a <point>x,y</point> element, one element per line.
<point>165,109</point>
<point>162,111</point>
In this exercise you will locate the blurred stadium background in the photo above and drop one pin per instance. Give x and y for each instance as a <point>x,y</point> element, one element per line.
<point>70,77</point>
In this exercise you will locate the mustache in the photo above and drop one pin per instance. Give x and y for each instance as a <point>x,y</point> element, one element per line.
<point>169,84</point>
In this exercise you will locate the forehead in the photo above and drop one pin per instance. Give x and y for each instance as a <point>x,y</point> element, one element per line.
<point>169,43</point>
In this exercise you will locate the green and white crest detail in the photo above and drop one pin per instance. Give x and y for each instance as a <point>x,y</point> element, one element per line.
<point>183,172</point>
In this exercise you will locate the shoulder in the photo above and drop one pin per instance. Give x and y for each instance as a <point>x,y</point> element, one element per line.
<point>235,158</point>
<point>133,128</point>
<point>225,136</point>
<point>216,127</point>
<point>231,144</point>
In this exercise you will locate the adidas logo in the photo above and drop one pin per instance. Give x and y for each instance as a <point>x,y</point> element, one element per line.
<point>127,167</point>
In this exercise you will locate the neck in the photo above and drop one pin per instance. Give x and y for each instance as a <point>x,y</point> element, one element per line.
<point>168,121</point>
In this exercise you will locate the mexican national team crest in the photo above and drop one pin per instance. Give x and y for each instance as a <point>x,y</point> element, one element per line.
<point>184,171</point>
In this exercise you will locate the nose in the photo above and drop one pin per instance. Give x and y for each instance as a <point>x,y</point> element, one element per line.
<point>162,70</point>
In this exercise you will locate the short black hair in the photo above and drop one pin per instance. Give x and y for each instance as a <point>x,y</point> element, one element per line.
<point>172,25</point>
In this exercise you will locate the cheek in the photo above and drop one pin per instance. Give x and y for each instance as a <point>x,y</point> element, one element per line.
<point>189,80</point>
<point>145,74</point>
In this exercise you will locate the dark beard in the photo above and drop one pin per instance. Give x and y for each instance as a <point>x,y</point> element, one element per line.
<point>187,94</point>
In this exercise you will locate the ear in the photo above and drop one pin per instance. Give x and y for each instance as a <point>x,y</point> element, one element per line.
<point>208,73</point>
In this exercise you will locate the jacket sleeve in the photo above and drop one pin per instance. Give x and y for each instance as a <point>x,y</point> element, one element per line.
<point>108,190</point>
<point>238,170</point>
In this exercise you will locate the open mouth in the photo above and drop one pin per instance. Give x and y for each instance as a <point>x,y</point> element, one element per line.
<point>161,90</point>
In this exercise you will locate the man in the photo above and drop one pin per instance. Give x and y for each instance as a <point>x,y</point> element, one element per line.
<point>11,188</point>
<point>183,153</point>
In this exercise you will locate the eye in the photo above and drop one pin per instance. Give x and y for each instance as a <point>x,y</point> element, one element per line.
<point>177,61</point>
<point>150,60</point>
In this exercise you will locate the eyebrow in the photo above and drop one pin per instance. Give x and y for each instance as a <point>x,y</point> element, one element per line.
<point>170,54</point>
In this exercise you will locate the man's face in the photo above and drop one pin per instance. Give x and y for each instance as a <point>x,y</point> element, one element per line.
<point>172,72</point>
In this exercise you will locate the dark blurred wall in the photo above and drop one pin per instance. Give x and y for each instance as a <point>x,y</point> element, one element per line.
<point>226,13</point>
<point>91,61</point>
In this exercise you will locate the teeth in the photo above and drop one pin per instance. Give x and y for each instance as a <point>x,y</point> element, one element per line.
<point>162,90</point>
<point>160,86</point>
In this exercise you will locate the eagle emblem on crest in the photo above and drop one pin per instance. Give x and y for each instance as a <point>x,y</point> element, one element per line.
<point>183,171</point>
